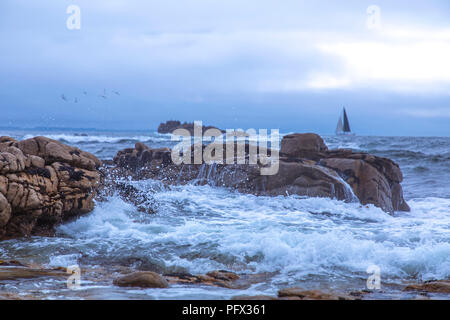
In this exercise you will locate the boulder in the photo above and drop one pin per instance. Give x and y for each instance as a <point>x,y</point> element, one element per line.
<point>43,182</point>
<point>143,279</point>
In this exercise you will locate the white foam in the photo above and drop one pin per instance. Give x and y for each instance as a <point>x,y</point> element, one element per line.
<point>205,228</point>
<point>97,138</point>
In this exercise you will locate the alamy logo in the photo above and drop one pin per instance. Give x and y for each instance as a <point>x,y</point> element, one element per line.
<point>373,17</point>
<point>74,20</point>
<point>374,280</point>
<point>213,153</point>
<point>74,280</point>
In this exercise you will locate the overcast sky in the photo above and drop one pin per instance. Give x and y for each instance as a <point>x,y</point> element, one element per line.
<point>287,64</point>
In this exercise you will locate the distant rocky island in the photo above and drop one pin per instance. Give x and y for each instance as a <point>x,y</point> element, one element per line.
<point>171,125</point>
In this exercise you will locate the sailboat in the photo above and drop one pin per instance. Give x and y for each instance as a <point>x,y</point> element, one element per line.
<point>343,126</point>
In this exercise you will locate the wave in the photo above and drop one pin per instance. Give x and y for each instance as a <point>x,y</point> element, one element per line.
<point>204,228</point>
<point>91,139</point>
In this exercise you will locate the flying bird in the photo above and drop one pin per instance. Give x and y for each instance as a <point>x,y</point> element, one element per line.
<point>117,92</point>
<point>64,97</point>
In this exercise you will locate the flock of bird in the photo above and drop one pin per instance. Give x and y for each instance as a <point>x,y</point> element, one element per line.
<point>104,95</point>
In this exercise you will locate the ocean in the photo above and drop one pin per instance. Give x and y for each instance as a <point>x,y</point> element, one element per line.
<point>284,241</point>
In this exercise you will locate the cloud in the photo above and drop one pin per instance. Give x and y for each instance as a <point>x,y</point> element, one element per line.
<point>427,113</point>
<point>395,60</point>
<point>412,63</point>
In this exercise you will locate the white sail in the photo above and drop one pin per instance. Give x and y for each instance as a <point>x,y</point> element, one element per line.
<point>343,125</point>
<point>340,126</point>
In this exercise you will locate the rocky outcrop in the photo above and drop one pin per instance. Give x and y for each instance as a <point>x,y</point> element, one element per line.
<point>306,167</point>
<point>43,182</point>
<point>171,125</point>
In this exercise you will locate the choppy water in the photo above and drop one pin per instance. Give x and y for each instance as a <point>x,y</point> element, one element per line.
<point>310,242</point>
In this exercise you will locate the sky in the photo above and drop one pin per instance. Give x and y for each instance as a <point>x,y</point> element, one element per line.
<point>289,65</point>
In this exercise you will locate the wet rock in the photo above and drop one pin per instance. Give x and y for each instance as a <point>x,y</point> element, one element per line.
<point>143,279</point>
<point>11,263</point>
<point>43,182</point>
<point>373,179</point>
<point>223,275</point>
<point>302,294</point>
<point>436,286</point>
<point>216,278</point>
<point>260,297</point>
<point>306,167</point>
<point>14,273</point>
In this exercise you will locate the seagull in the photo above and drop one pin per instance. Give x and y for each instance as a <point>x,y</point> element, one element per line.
<point>76,100</point>
<point>103,96</point>
<point>64,97</point>
<point>85,93</point>
<point>116,92</point>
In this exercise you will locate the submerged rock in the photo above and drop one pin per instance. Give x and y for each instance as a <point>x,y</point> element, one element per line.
<point>142,279</point>
<point>260,297</point>
<point>435,286</point>
<point>216,278</point>
<point>43,182</point>
<point>306,167</point>
<point>14,273</point>
<point>299,293</point>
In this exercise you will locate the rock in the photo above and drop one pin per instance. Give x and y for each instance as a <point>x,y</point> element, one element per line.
<point>298,145</point>
<point>436,286</point>
<point>171,125</point>
<point>260,297</point>
<point>13,273</point>
<point>302,294</point>
<point>42,183</point>
<point>143,279</point>
<point>223,275</point>
<point>5,211</point>
<point>306,167</point>
<point>304,179</point>
<point>217,278</point>
<point>380,187</point>
<point>11,263</point>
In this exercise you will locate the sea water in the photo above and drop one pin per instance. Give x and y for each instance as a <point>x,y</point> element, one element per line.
<point>314,243</point>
